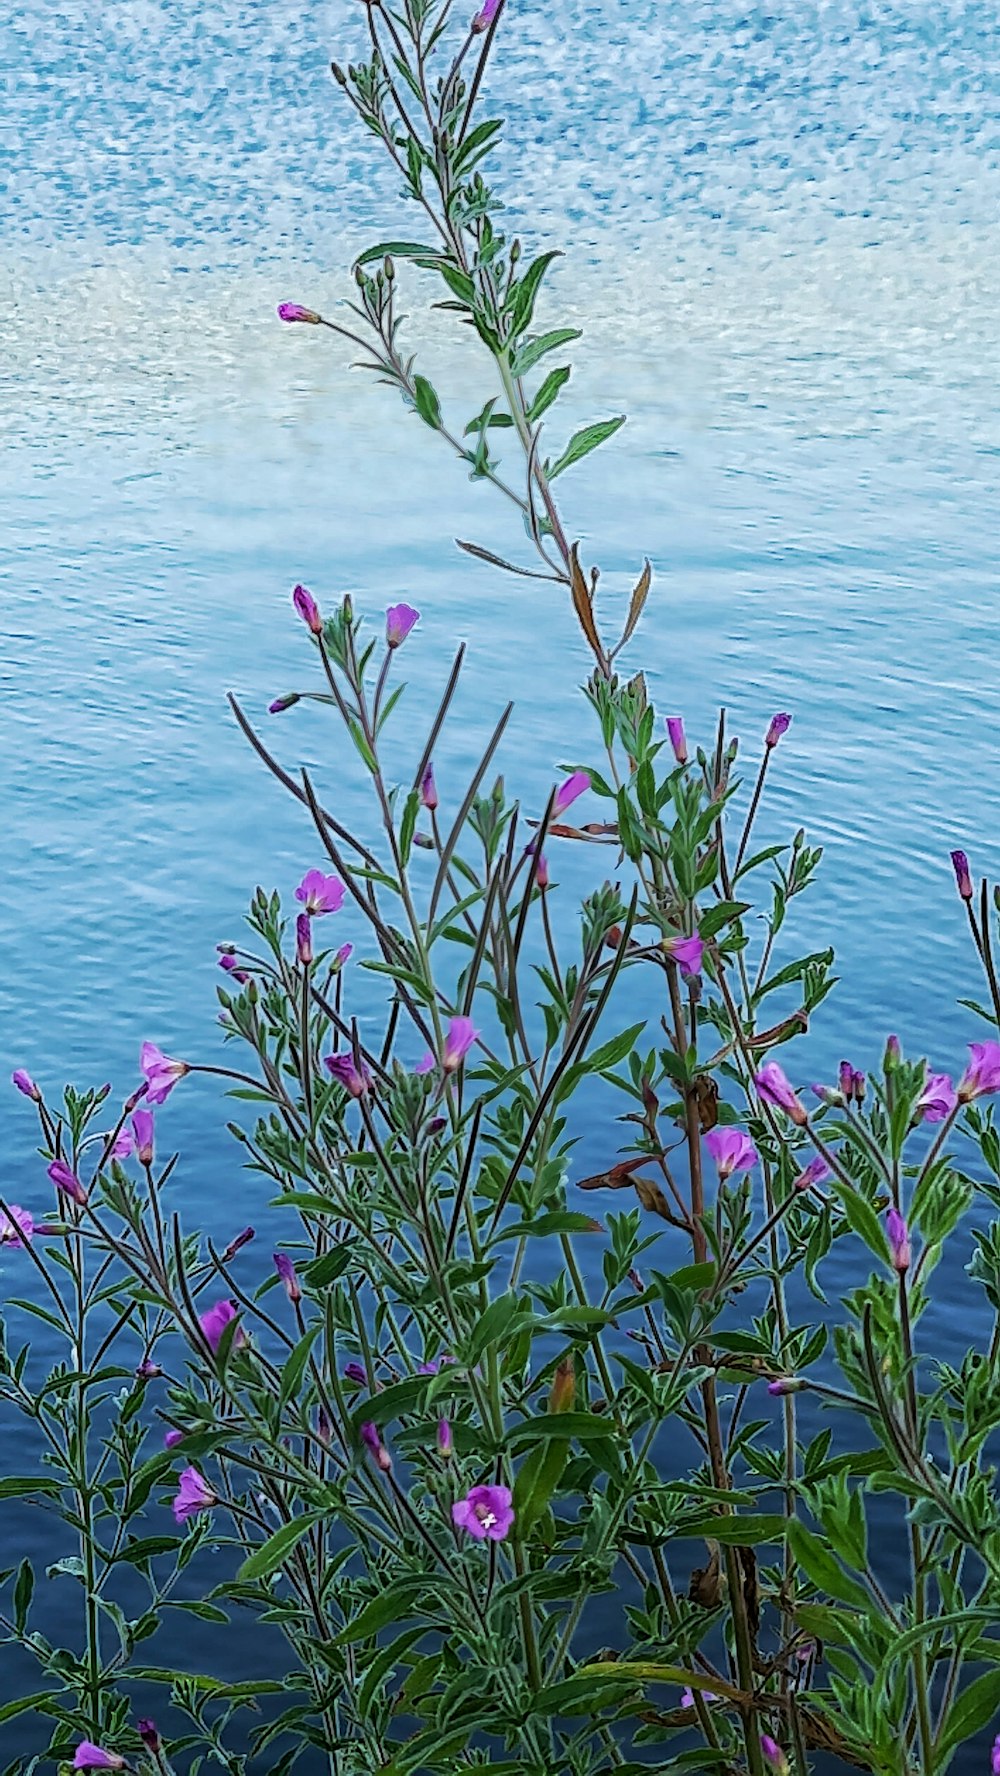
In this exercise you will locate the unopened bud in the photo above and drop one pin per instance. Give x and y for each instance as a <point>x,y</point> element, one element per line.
<point>963,878</point>
<point>563,1391</point>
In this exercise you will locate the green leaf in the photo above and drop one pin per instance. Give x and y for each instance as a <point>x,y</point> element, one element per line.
<point>22,1704</point>
<point>559,1425</point>
<point>861,1218</point>
<point>583,442</point>
<point>385,1661</point>
<point>476,143</point>
<point>495,1324</point>
<point>559,1221</point>
<point>24,1587</point>
<point>426,402</point>
<point>975,1708</point>
<point>388,1606</point>
<point>721,914</point>
<point>610,1053</point>
<point>739,1532</point>
<point>295,1365</point>
<point>823,1568</point>
<point>536,1481</point>
<point>549,391</point>
<point>268,1557</point>
<point>531,350</point>
<point>408,826</point>
<point>521,301</point>
<point>20,1486</point>
<point>396,250</point>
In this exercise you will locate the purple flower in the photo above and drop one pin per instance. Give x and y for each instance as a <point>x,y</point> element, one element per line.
<point>307,608</point>
<point>773,1753</point>
<point>460,1036</point>
<point>774,1088</point>
<point>148,1370</point>
<point>399,620</point>
<point>342,955</point>
<point>484,18</point>
<point>687,952</point>
<point>963,880</point>
<point>732,1150</point>
<point>845,1079</point>
<point>294,311</point>
<point>687,1699</point>
<point>677,737</point>
<point>542,872</point>
<point>122,1145</point>
<point>445,1441</point>
<point>983,1072</point>
<point>288,701</point>
<point>236,1245</point>
<point>303,939</point>
<point>16,1228</point>
<point>67,1181</point>
<point>426,1063</point>
<point>26,1084</point>
<point>428,790</point>
<point>938,1098</point>
<point>371,1437</point>
<point>858,1081</point>
<point>899,1240</point>
<point>286,1271</point>
<point>893,1052</point>
<point>214,1322</point>
<point>160,1072</point>
<point>194,1495</point>
<point>485,1512</point>
<point>786,1384</point>
<point>355,1372</point>
<point>567,793</point>
<point>324,1429</point>
<point>147,1732</point>
<point>172,1438</point>
<point>91,1757</point>
<point>345,1070</point>
<point>995,1757</point>
<point>816,1172</point>
<point>780,725</point>
<point>435,1363</point>
<point>142,1129</point>
<point>319,893</point>
<point>829,1095</point>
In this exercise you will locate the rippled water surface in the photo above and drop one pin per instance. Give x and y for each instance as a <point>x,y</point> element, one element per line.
<point>781,234</point>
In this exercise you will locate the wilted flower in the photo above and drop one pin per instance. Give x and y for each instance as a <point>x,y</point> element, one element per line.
<point>371,1437</point>
<point>319,893</point>
<point>91,1757</point>
<point>983,1072</point>
<point>963,879</point>
<point>428,789</point>
<point>345,1070</point>
<point>324,1429</point>
<point>147,1732</point>
<point>773,1754</point>
<point>303,939</point>
<point>732,1150</point>
<point>308,610</point>
<point>16,1228</point>
<point>780,725</point>
<point>774,1088</point>
<point>194,1495</point>
<point>687,952</point>
<point>816,1172</point>
<point>562,1394</point>
<point>445,1442</point>
<point>293,311</point>
<point>677,737</point>
<point>286,1271</point>
<point>484,18</point>
<point>899,1240</point>
<point>399,620</point>
<point>938,1098</point>
<point>214,1322</point>
<point>486,1512</point>
<point>574,786</point>
<point>67,1181</point>
<point>160,1072</point>
<point>142,1129</point>
<point>26,1084</point>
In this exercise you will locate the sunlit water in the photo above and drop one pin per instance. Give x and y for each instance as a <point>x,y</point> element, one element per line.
<point>781,245</point>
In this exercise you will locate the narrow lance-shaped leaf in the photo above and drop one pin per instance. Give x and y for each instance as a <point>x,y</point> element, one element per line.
<point>583,442</point>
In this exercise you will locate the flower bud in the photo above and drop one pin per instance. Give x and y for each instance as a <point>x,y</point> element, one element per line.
<point>308,610</point>
<point>26,1084</point>
<point>293,311</point>
<point>773,1755</point>
<point>303,939</point>
<point>237,1244</point>
<point>780,725</point>
<point>289,1277</point>
<point>786,1384</point>
<point>963,879</point>
<point>445,1441</point>
<point>147,1732</point>
<point>678,741</point>
<point>898,1235</point>
<point>282,703</point>
<point>563,1392</point>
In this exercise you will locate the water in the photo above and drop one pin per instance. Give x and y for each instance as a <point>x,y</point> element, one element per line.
<point>783,253</point>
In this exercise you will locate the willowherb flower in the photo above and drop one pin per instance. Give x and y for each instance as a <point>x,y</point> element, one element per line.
<point>122,1144</point>
<point>194,1495</point>
<point>485,16</point>
<point>303,939</point>
<point>142,1129</point>
<point>995,1757</point>
<point>687,1698</point>
<point>289,1278</point>
<point>432,1366</point>
<point>399,620</point>
<point>898,1235</point>
<point>371,1437</point>
<point>67,1181</point>
<point>816,1172</point>
<point>982,1075</point>
<point>687,952</point>
<point>160,1072</point>
<point>426,1063</point>
<point>147,1370</point>
<point>236,1244</point>
<point>786,1384</point>
<point>459,1037</point>
<point>341,956</point>
<point>214,1322</point>
<point>773,1754</point>
<point>307,608</point>
<point>319,893</point>
<point>26,1084</point>
<point>280,704</point>
<point>147,1732</point>
<point>732,1150</point>
<point>17,1228</point>
<point>542,872</point>
<point>355,1372</point>
<point>355,1079</point>
<point>774,1088</point>
<point>89,1756</point>
<point>779,725</point>
<point>445,1441</point>
<point>938,1098</point>
<point>172,1438</point>
<point>486,1512</point>
<point>845,1080</point>
<point>569,790</point>
<point>677,738</point>
<point>963,878</point>
<point>294,311</point>
<point>858,1083</point>
<point>893,1052</point>
<point>830,1096</point>
<point>428,790</point>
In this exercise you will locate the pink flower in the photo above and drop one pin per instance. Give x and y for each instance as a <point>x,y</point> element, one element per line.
<point>286,1271</point>
<point>858,1086</point>
<point>16,1228</point>
<point>67,1181</point>
<point>983,1072</point>
<point>122,1144</point>
<point>484,18</point>
<point>428,790</point>
<point>194,1495</point>
<point>732,1150</point>
<point>160,1072</point>
<point>91,1757</point>
<point>319,893</point>
<point>816,1172</point>
<point>574,786</point>
<point>354,1372</point>
<point>899,1240</point>
<point>26,1084</point>
<point>687,1699</point>
<point>342,955</point>
<point>780,725</point>
<point>485,1512</point>
<point>677,737</point>
<point>774,1088</point>
<point>399,620</point>
<point>773,1754</point>
<point>938,1098</point>
<point>445,1441</point>
<point>426,1063</point>
<point>172,1438</point>
<point>963,879</point>
<point>214,1322</point>
<point>687,952</point>
<point>303,939</point>
<point>345,1070</point>
<point>371,1437</point>
<point>235,1245</point>
<point>293,311</point>
<point>460,1036</point>
<point>308,610</point>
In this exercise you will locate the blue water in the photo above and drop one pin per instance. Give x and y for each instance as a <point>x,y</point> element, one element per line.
<point>782,249</point>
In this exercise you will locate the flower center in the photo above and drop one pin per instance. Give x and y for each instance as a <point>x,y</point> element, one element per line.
<point>486,1517</point>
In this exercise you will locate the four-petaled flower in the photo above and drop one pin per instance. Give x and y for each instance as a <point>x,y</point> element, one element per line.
<point>16,1228</point>
<point>67,1181</point>
<point>983,1072</point>
<point>938,1098</point>
<point>774,1088</point>
<point>574,786</point>
<point>486,1512</point>
<point>319,893</point>
<point>307,608</point>
<point>779,725</point>
<point>732,1150</point>
<point>687,952</point>
<point>294,311</point>
<point>677,738</point>
<point>93,1757</point>
<point>160,1072</point>
<point>345,1070</point>
<point>194,1495</point>
<point>399,620</point>
<point>214,1322</point>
